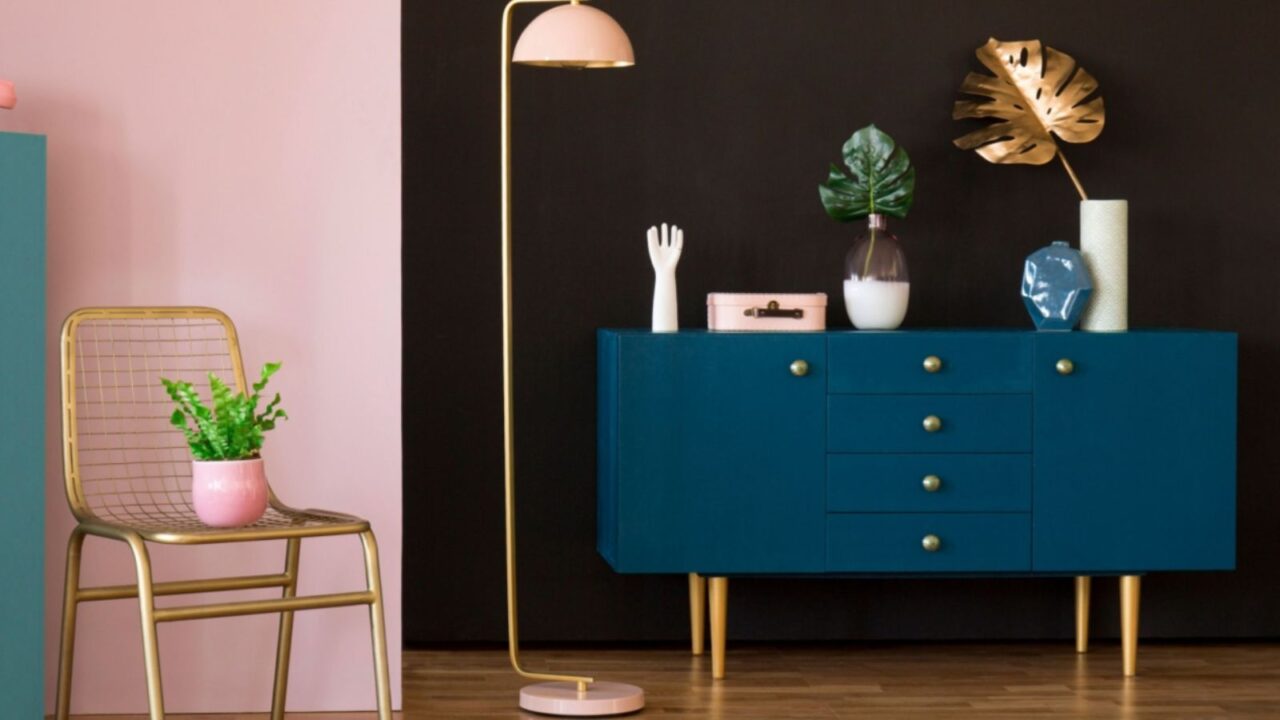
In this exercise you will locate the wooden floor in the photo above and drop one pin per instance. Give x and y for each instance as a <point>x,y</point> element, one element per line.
<point>866,681</point>
<point>880,681</point>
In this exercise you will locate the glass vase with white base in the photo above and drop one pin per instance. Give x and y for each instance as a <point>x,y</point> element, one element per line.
<point>876,285</point>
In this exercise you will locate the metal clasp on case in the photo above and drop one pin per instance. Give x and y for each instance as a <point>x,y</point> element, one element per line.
<point>772,310</point>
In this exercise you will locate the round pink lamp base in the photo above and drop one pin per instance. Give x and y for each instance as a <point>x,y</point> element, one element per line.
<point>563,698</point>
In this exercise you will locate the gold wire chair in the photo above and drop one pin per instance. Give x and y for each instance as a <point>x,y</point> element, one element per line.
<point>128,478</point>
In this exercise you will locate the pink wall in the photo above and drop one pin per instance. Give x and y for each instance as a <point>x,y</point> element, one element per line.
<point>242,154</point>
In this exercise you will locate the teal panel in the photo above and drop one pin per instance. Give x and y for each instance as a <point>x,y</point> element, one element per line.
<point>607,445</point>
<point>895,423</point>
<point>892,543</point>
<point>893,362</point>
<point>892,483</point>
<point>720,459</point>
<point>1135,452</point>
<point>22,364</point>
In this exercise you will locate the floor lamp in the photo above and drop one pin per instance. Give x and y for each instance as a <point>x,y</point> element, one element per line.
<point>568,36</point>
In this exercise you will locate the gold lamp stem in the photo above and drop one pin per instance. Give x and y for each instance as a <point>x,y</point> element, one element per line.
<point>508,419</point>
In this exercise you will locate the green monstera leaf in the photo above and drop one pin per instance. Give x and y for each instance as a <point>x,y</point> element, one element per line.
<point>880,178</point>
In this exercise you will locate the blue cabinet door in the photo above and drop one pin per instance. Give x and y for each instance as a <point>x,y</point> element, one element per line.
<point>713,457</point>
<point>1134,464</point>
<point>22,223</point>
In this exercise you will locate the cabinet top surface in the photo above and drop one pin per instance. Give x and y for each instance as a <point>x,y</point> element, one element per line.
<point>920,331</point>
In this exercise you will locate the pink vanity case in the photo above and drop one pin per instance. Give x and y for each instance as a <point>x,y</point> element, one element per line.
<point>767,312</point>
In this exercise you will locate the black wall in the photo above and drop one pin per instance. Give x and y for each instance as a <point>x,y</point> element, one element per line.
<point>726,126</point>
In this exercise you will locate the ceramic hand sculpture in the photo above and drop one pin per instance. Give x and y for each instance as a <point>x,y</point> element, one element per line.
<point>664,252</point>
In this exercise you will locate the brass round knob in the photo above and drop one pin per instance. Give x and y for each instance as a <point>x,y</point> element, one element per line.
<point>1065,367</point>
<point>931,483</point>
<point>799,368</point>
<point>933,423</point>
<point>931,543</point>
<point>932,364</point>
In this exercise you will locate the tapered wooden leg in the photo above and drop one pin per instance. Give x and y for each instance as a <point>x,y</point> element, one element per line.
<point>1130,598</point>
<point>285,640</point>
<point>697,611</point>
<point>377,625</point>
<point>150,640</point>
<point>1083,585</point>
<point>70,590</point>
<point>719,615</point>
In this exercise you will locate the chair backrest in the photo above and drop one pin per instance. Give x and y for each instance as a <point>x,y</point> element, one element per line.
<point>122,459</point>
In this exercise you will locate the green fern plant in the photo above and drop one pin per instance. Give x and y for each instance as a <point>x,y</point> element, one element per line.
<point>233,428</point>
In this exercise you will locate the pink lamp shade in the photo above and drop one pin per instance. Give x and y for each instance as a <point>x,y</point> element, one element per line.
<point>575,36</point>
<point>7,97</point>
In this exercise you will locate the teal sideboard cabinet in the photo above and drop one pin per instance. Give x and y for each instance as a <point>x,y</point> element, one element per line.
<point>1012,453</point>
<point>22,224</point>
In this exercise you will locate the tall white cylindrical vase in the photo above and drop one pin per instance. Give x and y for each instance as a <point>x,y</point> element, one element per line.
<point>1104,241</point>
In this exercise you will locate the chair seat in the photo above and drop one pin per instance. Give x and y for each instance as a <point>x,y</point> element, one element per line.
<point>179,524</point>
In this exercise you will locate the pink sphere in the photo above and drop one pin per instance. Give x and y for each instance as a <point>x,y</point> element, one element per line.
<point>7,97</point>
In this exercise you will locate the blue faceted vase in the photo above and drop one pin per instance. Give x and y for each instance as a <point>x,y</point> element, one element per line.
<point>1056,286</point>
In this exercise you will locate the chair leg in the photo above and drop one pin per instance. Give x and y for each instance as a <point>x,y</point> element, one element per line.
<point>66,655</point>
<point>697,611</point>
<point>1083,584</point>
<point>150,642</point>
<point>377,623</point>
<point>285,640</point>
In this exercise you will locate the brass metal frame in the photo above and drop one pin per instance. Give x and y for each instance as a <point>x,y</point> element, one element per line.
<point>123,482</point>
<point>508,411</point>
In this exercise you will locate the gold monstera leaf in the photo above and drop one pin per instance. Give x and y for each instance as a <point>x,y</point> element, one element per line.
<point>1036,93</point>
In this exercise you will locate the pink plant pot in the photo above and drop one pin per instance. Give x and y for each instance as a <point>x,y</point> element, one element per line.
<point>7,96</point>
<point>229,493</point>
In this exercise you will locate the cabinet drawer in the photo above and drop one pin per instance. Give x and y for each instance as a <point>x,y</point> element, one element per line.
<point>896,423</point>
<point>895,542</point>
<point>966,362</point>
<point>956,483</point>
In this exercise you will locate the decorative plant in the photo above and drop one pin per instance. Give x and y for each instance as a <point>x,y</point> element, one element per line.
<point>233,429</point>
<point>1036,93</point>
<point>880,178</point>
